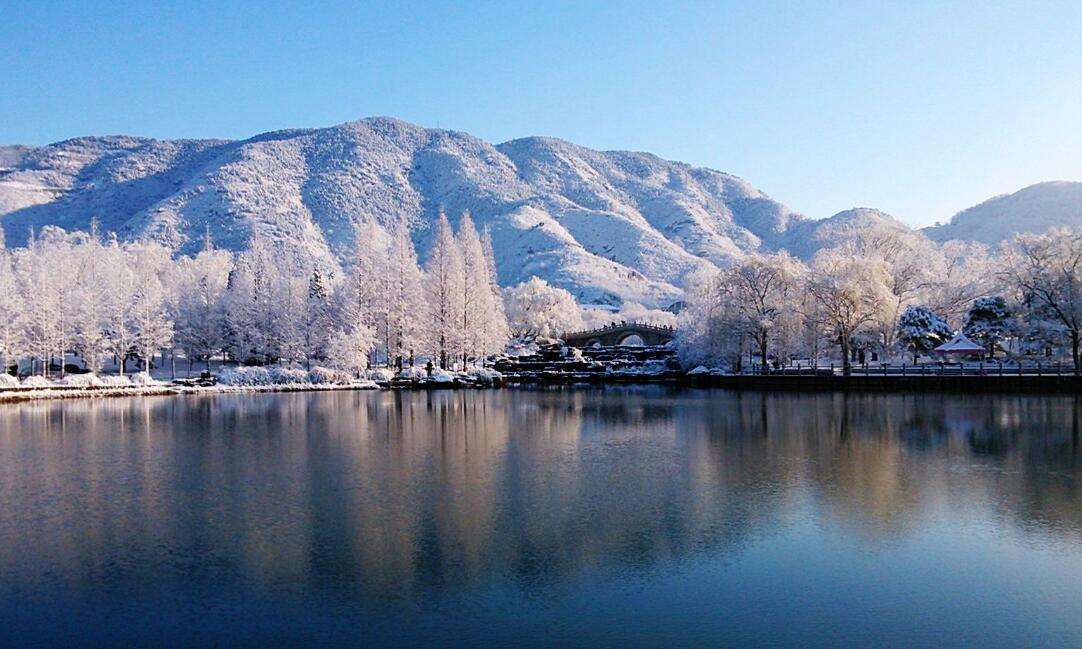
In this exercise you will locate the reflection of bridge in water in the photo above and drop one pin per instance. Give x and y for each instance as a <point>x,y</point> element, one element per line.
<point>620,333</point>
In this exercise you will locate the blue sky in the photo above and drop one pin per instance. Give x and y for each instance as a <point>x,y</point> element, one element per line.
<point>919,109</point>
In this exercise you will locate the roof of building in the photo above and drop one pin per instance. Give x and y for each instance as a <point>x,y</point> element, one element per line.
<point>960,344</point>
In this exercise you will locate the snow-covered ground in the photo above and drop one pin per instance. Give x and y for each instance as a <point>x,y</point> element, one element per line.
<point>234,379</point>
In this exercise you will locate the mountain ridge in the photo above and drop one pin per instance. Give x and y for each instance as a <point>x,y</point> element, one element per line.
<point>610,226</point>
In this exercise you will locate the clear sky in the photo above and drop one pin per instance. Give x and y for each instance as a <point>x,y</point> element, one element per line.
<point>917,108</point>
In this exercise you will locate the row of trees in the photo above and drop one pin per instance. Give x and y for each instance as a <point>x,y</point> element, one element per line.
<point>102,299</point>
<point>890,291</point>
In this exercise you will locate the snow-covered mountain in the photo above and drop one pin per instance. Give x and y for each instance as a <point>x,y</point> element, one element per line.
<point>1032,209</point>
<point>609,226</point>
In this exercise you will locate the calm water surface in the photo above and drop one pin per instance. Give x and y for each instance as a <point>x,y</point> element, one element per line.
<point>619,517</point>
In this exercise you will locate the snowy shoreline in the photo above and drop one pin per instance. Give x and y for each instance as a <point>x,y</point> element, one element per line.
<point>15,395</point>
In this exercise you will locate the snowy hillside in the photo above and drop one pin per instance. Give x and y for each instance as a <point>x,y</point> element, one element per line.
<point>608,226</point>
<point>1033,209</point>
<point>806,237</point>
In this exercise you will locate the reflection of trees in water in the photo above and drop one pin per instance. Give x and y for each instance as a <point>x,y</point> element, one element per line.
<point>385,494</point>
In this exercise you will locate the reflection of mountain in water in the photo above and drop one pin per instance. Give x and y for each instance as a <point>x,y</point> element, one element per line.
<point>387,495</point>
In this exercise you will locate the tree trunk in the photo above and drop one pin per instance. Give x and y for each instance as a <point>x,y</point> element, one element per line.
<point>1074,349</point>
<point>762,351</point>
<point>847,364</point>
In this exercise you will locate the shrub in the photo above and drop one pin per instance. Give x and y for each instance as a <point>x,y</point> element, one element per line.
<point>323,375</point>
<point>142,378</point>
<point>412,373</point>
<point>36,381</point>
<point>256,376</point>
<point>81,381</point>
<point>485,375</point>
<point>442,376</point>
<point>380,374</point>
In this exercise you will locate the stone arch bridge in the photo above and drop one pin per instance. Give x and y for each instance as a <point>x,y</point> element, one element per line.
<point>620,333</point>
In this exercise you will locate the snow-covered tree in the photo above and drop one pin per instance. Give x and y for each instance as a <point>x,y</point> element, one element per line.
<point>348,347</point>
<point>252,304</point>
<point>759,291</point>
<point>537,310</point>
<point>201,286</point>
<point>291,304</point>
<point>406,327</point>
<point>905,257</point>
<point>92,276</point>
<point>483,324</point>
<point>317,314</point>
<point>922,329</point>
<point>151,327</point>
<point>958,274</point>
<point>1046,271</point>
<point>43,291</point>
<point>704,326</point>
<point>990,321</point>
<point>12,311</point>
<point>852,293</point>
<point>444,281</point>
<point>363,296</point>
<point>496,329</point>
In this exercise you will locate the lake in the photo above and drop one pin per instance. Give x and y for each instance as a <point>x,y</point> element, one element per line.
<point>635,516</point>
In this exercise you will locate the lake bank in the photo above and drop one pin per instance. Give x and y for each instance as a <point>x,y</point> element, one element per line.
<point>1008,384</point>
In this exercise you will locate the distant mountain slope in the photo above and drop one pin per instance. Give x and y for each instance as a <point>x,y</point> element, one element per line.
<point>807,237</point>
<point>1033,209</point>
<point>609,226</point>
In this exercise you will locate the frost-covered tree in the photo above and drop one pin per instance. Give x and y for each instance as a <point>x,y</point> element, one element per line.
<point>990,321</point>
<point>406,326</point>
<point>291,303</point>
<point>958,274</point>
<point>199,316</point>
<point>444,281</point>
<point>151,327</point>
<point>906,259</point>
<point>119,323</point>
<point>317,317</point>
<point>43,290</point>
<point>922,329</point>
<point>1046,271</point>
<point>705,325</point>
<point>852,293</point>
<point>88,306</point>
<point>12,311</point>
<point>759,292</point>
<point>253,304</point>
<point>483,324</point>
<point>537,310</point>
<point>348,347</point>
<point>496,330</point>
<point>363,296</point>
